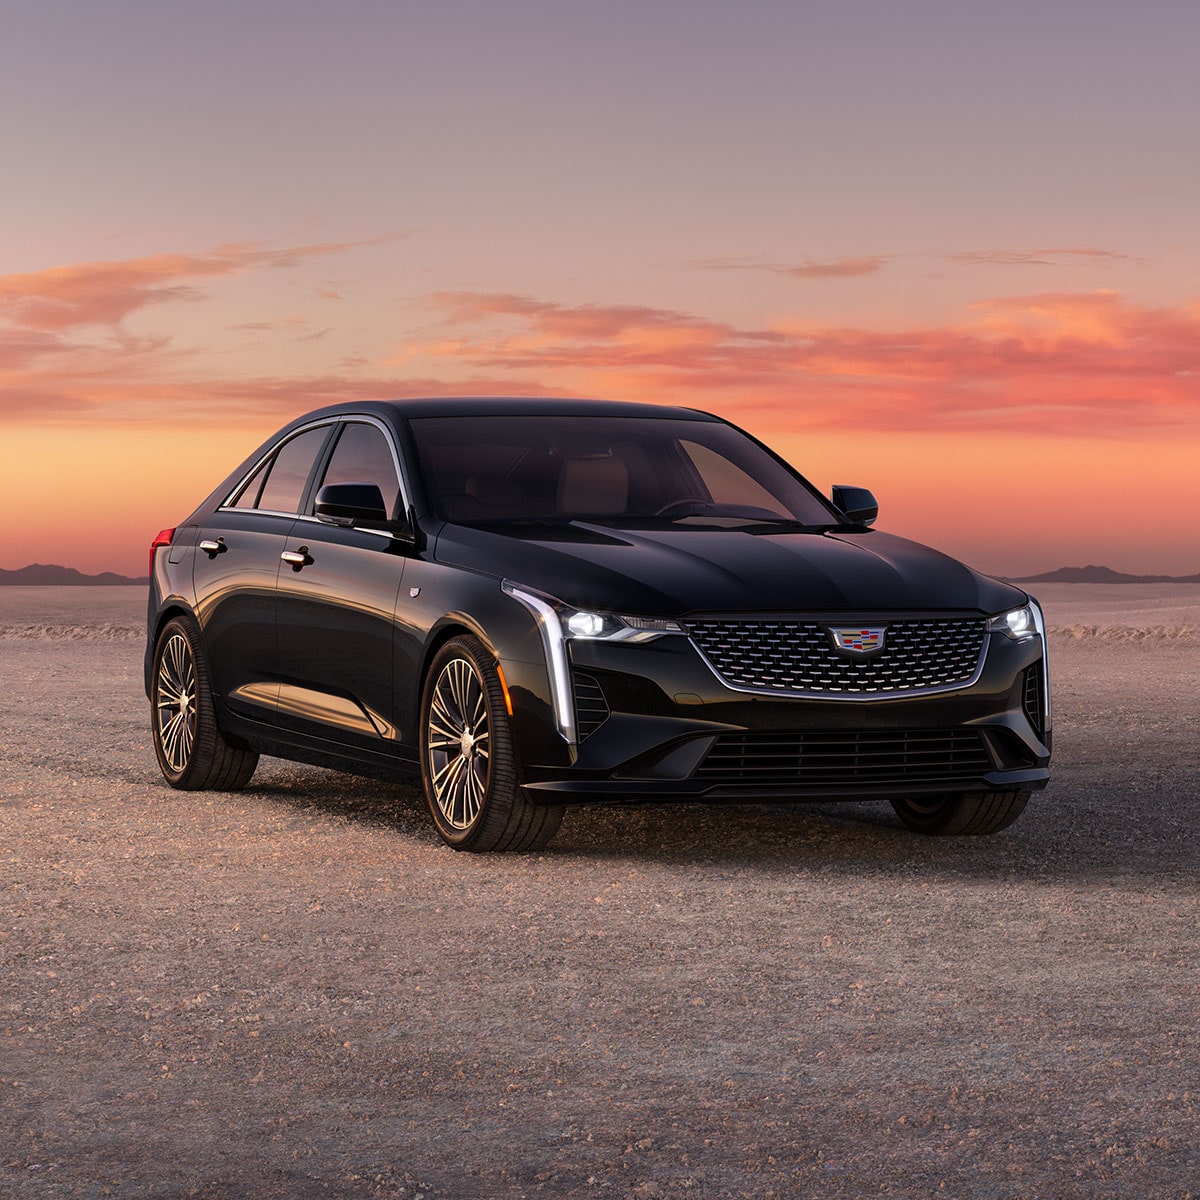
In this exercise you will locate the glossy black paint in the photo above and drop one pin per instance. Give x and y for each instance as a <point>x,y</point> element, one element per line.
<point>322,658</point>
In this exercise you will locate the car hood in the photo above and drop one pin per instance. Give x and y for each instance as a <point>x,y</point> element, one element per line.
<point>676,571</point>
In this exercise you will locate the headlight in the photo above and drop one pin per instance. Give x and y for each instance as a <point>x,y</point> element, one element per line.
<point>585,624</point>
<point>559,623</point>
<point>1020,625</point>
<point>608,627</point>
<point>1017,623</point>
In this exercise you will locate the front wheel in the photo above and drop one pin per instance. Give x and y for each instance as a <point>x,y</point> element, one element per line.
<point>971,813</point>
<point>192,752</point>
<point>469,768</point>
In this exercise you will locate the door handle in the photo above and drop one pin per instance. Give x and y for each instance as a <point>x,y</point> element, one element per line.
<point>211,548</point>
<point>297,558</point>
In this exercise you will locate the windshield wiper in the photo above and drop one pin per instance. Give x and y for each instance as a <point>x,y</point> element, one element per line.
<point>786,526</point>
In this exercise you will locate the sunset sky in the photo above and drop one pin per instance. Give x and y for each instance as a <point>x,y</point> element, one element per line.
<point>945,250</point>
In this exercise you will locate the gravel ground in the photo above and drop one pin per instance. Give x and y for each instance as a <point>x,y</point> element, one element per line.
<point>297,992</point>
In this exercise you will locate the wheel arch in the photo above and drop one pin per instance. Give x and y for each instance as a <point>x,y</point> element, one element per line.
<point>451,626</point>
<point>168,612</point>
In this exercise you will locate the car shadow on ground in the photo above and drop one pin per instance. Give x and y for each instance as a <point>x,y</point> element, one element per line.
<point>1067,832</point>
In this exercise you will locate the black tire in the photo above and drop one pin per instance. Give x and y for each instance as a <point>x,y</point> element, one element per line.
<point>470,772</point>
<point>191,750</point>
<point>969,814</point>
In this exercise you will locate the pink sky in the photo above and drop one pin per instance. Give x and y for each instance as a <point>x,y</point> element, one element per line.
<point>949,256</point>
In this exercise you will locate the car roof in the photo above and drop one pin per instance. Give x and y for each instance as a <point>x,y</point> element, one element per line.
<point>506,406</point>
<point>395,412</point>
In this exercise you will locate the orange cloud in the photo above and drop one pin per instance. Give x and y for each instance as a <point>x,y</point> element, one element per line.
<point>1055,362</point>
<point>103,293</point>
<point>840,268</point>
<point>837,268</point>
<point>201,401</point>
<point>583,320</point>
<point>1060,362</point>
<point>1037,258</point>
<point>20,347</point>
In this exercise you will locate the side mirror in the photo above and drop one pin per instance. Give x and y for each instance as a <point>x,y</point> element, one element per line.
<point>859,505</point>
<point>351,504</point>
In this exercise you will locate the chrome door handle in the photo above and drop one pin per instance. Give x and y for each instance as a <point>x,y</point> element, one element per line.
<point>211,548</point>
<point>297,558</point>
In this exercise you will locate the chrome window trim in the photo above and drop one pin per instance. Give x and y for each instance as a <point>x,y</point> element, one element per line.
<point>364,419</point>
<point>227,504</point>
<point>236,491</point>
<point>383,533</point>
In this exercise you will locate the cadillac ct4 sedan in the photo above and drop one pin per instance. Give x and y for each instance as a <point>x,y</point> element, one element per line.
<point>537,603</point>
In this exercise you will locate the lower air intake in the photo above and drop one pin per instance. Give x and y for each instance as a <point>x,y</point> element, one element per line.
<point>836,757</point>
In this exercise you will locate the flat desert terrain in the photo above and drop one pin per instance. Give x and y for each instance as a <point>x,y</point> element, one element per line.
<point>296,992</point>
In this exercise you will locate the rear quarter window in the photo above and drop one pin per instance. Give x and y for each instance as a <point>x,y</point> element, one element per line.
<point>289,471</point>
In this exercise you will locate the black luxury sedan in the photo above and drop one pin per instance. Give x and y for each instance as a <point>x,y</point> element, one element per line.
<point>536,603</point>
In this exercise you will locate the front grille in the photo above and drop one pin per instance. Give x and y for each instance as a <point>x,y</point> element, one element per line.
<point>799,656</point>
<point>591,708</point>
<point>1032,699</point>
<point>837,757</point>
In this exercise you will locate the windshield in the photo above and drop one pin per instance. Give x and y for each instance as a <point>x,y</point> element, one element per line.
<point>610,469</point>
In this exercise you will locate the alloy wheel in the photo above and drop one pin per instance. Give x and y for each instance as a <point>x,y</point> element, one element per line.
<point>175,702</point>
<point>458,743</point>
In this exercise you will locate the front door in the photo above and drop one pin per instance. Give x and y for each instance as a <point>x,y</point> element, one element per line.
<point>335,606</point>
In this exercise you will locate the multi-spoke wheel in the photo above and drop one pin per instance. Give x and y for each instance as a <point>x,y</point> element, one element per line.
<point>175,702</point>
<point>191,749</point>
<point>965,814</point>
<point>469,766</point>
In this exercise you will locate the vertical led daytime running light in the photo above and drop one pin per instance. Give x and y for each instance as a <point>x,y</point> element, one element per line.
<point>550,628</point>
<point>1039,622</point>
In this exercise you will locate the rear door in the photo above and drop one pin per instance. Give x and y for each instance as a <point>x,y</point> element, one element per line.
<point>236,564</point>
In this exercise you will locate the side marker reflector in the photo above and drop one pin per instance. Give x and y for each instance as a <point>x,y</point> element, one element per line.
<point>504,688</point>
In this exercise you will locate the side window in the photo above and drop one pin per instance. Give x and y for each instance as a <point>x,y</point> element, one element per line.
<point>248,496</point>
<point>289,471</point>
<point>363,455</point>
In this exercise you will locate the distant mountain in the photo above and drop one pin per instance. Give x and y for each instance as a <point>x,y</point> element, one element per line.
<point>48,575</point>
<point>1101,575</point>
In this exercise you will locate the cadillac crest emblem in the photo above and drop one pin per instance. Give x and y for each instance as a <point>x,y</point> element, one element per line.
<point>856,640</point>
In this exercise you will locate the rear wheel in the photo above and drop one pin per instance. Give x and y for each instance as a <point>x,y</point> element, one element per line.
<point>192,752</point>
<point>970,813</point>
<point>469,768</point>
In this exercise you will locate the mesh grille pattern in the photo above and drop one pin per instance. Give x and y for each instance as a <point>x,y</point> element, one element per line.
<point>799,656</point>
<point>591,708</point>
<point>838,757</point>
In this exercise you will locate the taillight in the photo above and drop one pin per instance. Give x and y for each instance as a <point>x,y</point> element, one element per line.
<point>163,539</point>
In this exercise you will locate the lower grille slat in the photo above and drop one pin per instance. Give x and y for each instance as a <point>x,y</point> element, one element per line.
<point>811,758</point>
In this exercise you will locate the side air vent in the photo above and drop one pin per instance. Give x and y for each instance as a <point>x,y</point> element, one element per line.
<point>1033,701</point>
<point>591,708</point>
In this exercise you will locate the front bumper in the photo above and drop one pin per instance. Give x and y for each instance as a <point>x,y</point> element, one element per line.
<point>656,724</point>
